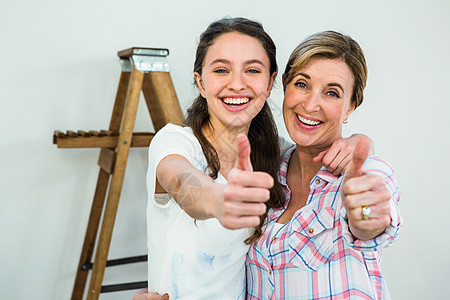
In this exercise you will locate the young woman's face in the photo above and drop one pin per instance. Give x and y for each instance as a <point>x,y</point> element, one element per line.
<point>317,101</point>
<point>235,80</point>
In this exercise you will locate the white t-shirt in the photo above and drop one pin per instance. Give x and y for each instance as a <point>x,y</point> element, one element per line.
<point>188,260</point>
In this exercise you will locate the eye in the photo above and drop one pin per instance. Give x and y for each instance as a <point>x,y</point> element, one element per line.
<point>333,94</point>
<point>220,71</point>
<point>300,84</point>
<point>254,71</point>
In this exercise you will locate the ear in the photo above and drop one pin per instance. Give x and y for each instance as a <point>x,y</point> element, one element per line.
<point>201,87</point>
<point>271,81</point>
<point>283,80</point>
<point>350,109</point>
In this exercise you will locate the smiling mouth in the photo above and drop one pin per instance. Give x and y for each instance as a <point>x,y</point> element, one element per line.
<point>307,121</point>
<point>235,101</point>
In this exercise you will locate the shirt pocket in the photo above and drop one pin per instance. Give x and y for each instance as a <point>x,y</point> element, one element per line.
<point>311,238</point>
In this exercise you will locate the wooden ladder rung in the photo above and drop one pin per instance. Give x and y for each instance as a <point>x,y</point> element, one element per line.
<point>98,139</point>
<point>82,133</point>
<point>108,133</point>
<point>124,286</point>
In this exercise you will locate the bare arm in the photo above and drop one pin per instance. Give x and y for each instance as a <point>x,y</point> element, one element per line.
<point>193,190</point>
<point>237,204</point>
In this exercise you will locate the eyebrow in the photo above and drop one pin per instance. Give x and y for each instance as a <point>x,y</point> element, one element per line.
<point>304,75</point>
<point>330,84</point>
<point>226,61</point>
<point>336,85</point>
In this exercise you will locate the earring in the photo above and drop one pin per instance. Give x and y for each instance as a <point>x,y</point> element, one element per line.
<point>345,122</point>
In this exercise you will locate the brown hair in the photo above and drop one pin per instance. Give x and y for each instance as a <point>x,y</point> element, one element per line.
<point>332,45</point>
<point>263,134</point>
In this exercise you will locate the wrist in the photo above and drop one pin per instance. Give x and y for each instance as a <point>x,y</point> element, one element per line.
<point>364,234</point>
<point>213,199</point>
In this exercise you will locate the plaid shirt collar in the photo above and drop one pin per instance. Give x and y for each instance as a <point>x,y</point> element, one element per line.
<point>323,176</point>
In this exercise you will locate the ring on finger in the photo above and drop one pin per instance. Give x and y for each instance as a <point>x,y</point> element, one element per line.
<point>366,212</point>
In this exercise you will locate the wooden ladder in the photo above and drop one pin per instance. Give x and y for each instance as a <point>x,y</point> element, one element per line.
<point>143,69</point>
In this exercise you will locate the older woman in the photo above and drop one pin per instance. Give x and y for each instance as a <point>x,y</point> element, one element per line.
<point>325,241</point>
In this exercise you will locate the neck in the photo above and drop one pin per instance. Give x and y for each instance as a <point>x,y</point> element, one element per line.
<point>304,164</point>
<point>224,141</point>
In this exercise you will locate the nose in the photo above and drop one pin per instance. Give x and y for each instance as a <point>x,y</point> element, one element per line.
<point>236,82</point>
<point>311,103</point>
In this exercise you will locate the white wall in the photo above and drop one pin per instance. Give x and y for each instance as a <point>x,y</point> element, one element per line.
<point>59,70</point>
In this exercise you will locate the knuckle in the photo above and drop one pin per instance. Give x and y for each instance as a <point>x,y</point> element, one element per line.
<point>386,194</point>
<point>348,148</point>
<point>266,195</point>
<point>386,209</point>
<point>227,193</point>
<point>350,186</point>
<point>356,215</point>
<point>253,221</point>
<point>260,195</point>
<point>235,177</point>
<point>226,223</point>
<point>231,194</point>
<point>262,209</point>
<point>339,143</point>
<point>227,208</point>
<point>378,180</point>
<point>333,165</point>
<point>350,201</point>
<point>384,222</point>
<point>345,187</point>
<point>265,179</point>
<point>351,214</point>
<point>229,223</point>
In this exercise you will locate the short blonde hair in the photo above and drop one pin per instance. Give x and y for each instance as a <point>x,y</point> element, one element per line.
<point>331,45</point>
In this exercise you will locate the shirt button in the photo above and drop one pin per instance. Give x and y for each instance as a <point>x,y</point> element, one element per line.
<point>311,230</point>
<point>274,238</point>
<point>270,272</point>
<point>317,181</point>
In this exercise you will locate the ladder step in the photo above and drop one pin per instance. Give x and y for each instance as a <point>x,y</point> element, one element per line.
<point>95,139</point>
<point>118,261</point>
<point>124,286</point>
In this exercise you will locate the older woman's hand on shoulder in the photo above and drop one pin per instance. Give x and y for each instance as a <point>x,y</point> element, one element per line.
<point>338,157</point>
<point>365,196</point>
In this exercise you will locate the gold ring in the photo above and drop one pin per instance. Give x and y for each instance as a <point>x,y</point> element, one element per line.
<point>366,211</point>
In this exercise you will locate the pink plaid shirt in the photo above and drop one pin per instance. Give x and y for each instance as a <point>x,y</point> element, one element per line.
<point>314,256</point>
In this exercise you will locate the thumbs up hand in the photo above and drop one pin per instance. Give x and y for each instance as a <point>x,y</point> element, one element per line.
<point>365,196</point>
<point>246,191</point>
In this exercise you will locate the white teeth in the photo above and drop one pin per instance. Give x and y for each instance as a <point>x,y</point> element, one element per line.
<point>308,122</point>
<point>235,101</point>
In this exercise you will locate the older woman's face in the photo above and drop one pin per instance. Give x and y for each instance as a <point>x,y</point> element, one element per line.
<point>317,101</point>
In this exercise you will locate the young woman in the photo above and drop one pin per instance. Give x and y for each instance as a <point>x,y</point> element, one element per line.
<point>203,180</point>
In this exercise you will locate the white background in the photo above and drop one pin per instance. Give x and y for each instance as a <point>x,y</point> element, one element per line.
<point>60,71</point>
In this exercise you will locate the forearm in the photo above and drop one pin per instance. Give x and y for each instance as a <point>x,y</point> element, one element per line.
<point>198,196</point>
<point>194,191</point>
